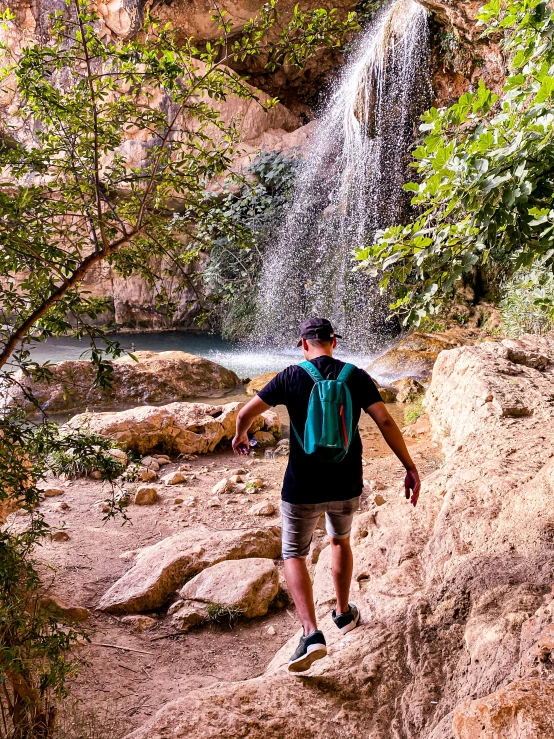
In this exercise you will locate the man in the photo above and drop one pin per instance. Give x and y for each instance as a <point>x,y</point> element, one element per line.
<point>311,486</point>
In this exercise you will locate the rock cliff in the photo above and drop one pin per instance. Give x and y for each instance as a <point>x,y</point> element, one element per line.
<point>456,595</point>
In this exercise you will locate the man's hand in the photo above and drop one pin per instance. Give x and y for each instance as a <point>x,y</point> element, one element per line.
<point>240,444</point>
<point>412,486</point>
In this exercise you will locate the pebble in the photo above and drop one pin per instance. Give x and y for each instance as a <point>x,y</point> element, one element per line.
<point>60,536</point>
<point>238,471</point>
<point>223,486</point>
<point>162,459</point>
<point>263,508</point>
<point>118,454</point>
<point>213,503</point>
<point>178,500</point>
<point>175,607</point>
<point>61,506</point>
<point>230,501</point>
<point>150,463</point>
<point>146,495</point>
<point>271,630</point>
<point>174,478</point>
<point>379,500</point>
<point>236,479</point>
<point>146,475</point>
<point>139,623</point>
<point>257,483</point>
<point>51,492</point>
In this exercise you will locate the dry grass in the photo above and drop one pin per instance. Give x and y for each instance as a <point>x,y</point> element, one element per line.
<point>76,720</point>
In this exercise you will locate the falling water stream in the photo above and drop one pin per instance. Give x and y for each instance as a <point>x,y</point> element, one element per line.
<point>350,185</point>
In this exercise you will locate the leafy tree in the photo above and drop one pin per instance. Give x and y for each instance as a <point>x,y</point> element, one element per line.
<point>115,148</point>
<point>485,189</point>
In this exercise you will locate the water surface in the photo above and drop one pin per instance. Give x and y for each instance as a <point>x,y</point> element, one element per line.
<point>244,359</point>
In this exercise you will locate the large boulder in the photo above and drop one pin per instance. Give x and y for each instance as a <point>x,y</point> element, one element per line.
<point>156,377</point>
<point>177,428</point>
<point>413,356</point>
<point>456,595</point>
<point>245,587</point>
<point>163,567</point>
<point>259,382</point>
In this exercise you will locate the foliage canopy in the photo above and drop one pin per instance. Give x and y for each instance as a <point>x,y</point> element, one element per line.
<point>485,167</point>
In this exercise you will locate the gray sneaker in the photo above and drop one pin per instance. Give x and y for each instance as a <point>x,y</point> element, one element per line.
<point>310,648</point>
<point>345,622</point>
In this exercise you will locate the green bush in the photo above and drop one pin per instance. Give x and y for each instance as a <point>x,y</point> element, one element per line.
<point>236,258</point>
<point>527,305</point>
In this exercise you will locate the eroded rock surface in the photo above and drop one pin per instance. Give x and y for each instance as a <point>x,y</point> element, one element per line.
<point>456,595</point>
<point>413,356</point>
<point>176,428</point>
<point>163,567</point>
<point>156,377</point>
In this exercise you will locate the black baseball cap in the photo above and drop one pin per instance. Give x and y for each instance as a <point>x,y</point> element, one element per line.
<point>317,328</point>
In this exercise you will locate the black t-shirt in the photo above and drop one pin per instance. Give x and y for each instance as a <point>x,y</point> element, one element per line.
<point>308,480</point>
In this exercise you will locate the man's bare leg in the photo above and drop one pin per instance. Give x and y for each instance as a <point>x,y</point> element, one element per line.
<point>342,564</point>
<point>300,587</point>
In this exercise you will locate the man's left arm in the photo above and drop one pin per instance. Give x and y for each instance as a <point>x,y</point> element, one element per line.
<point>245,419</point>
<point>395,440</point>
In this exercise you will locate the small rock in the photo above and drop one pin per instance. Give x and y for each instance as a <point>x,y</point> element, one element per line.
<point>178,500</point>
<point>230,501</point>
<point>185,467</point>
<point>236,479</point>
<point>59,607</point>
<point>174,478</point>
<point>51,492</point>
<point>139,623</point>
<point>238,471</point>
<point>271,631</point>
<point>146,495</point>
<point>150,463</point>
<point>146,475</point>
<point>379,499</point>
<point>256,483</point>
<point>240,488</point>
<point>191,502</point>
<point>213,503</point>
<point>263,508</point>
<point>162,459</point>
<point>264,438</point>
<point>61,506</point>
<point>174,607</point>
<point>118,454</point>
<point>407,389</point>
<point>60,536</point>
<point>223,486</point>
<point>283,448</point>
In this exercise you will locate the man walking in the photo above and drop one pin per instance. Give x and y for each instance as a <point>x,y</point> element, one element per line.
<point>323,480</point>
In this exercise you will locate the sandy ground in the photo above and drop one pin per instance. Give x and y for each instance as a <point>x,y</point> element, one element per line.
<point>163,664</point>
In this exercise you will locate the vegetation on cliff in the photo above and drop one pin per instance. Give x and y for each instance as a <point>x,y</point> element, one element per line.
<point>484,195</point>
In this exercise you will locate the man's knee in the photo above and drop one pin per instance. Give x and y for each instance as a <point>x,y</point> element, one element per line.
<point>340,541</point>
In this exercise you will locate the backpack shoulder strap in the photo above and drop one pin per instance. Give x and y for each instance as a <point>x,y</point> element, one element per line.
<point>314,373</point>
<point>345,372</point>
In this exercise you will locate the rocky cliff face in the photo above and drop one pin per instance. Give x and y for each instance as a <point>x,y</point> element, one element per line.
<point>456,639</point>
<point>460,58</point>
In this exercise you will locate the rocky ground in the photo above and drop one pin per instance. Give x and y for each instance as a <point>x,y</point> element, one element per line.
<point>132,673</point>
<point>457,602</point>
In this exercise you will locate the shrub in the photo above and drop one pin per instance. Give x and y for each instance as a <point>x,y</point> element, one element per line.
<point>527,305</point>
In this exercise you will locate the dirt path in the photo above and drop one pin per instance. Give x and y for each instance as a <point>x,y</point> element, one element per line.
<point>163,665</point>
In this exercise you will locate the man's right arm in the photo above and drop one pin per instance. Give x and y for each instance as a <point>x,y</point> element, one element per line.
<point>395,440</point>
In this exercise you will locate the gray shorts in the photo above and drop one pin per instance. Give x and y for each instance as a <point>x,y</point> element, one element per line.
<point>300,519</point>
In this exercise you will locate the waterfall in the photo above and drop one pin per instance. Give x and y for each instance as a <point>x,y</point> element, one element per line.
<point>349,185</point>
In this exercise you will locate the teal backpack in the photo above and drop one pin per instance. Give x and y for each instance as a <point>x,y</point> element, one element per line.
<point>328,429</point>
